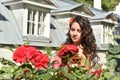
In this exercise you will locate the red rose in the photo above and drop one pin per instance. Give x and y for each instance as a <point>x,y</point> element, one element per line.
<point>93,73</point>
<point>62,51</point>
<point>73,48</point>
<point>41,61</point>
<point>66,48</point>
<point>67,51</point>
<point>97,73</point>
<point>24,52</point>
<point>31,53</point>
<point>33,56</point>
<point>19,55</point>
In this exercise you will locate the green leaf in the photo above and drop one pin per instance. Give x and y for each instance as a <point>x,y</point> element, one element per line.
<point>117,56</point>
<point>113,63</point>
<point>46,76</point>
<point>70,76</point>
<point>7,62</point>
<point>88,76</point>
<point>64,69</point>
<point>7,69</point>
<point>76,75</point>
<point>114,50</point>
<point>5,76</point>
<point>114,77</point>
<point>9,48</point>
<point>107,74</point>
<point>18,73</point>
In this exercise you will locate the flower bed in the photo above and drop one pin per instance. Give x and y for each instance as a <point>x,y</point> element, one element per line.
<point>36,65</point>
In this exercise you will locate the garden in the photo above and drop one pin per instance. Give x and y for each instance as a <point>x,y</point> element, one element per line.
<point>29,63</point>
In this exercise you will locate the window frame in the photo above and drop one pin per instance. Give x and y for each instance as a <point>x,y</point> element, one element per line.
<point>35,22</point>
<point>45,23</point>
<point>107,34</point>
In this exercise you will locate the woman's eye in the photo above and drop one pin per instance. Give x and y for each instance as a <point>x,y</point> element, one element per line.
<point>72,29</point>
<point>79,31</point>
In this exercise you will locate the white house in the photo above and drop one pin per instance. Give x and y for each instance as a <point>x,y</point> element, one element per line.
<point>45,23</point>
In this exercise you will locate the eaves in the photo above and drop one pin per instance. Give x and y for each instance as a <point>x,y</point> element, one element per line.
<point>30,2</point>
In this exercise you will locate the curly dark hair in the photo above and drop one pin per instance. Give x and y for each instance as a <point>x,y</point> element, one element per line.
<point>88,40</point>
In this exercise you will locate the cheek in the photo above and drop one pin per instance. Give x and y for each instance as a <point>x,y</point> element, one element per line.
<point>79,38</point>
<point>79,35</point>
<point>71,33</point>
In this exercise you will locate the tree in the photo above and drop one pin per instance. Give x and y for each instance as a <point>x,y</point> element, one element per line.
<point>107,5</point>
<point>87,2</point>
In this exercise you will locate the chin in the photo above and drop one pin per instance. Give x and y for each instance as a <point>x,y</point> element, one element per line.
<point>75,42</point>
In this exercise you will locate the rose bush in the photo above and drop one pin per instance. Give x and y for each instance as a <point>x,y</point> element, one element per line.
<point>37,58</point>
<point>29,63</point>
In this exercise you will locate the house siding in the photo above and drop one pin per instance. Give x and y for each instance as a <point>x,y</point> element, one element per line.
<point>63,21</point>
<point>98,32</point>
<point>64,24</point>
<point>18,12</point>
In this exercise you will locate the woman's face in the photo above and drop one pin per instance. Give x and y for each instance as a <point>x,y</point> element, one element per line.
<point>75,33</point>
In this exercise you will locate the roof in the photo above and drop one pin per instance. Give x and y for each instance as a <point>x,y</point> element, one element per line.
<point>68,5</point>
<point>10,33</point>
<point>99,14</point>
<point>64,6</point>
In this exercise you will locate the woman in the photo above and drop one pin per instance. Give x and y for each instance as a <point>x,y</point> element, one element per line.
<point>79,49</point>
<point>81,34</point>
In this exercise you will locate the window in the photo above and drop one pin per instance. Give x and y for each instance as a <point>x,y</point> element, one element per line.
<point>35,22</point>
<point>107,34</point>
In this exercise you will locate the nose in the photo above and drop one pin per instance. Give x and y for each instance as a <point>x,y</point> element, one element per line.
<point>75,33</point>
